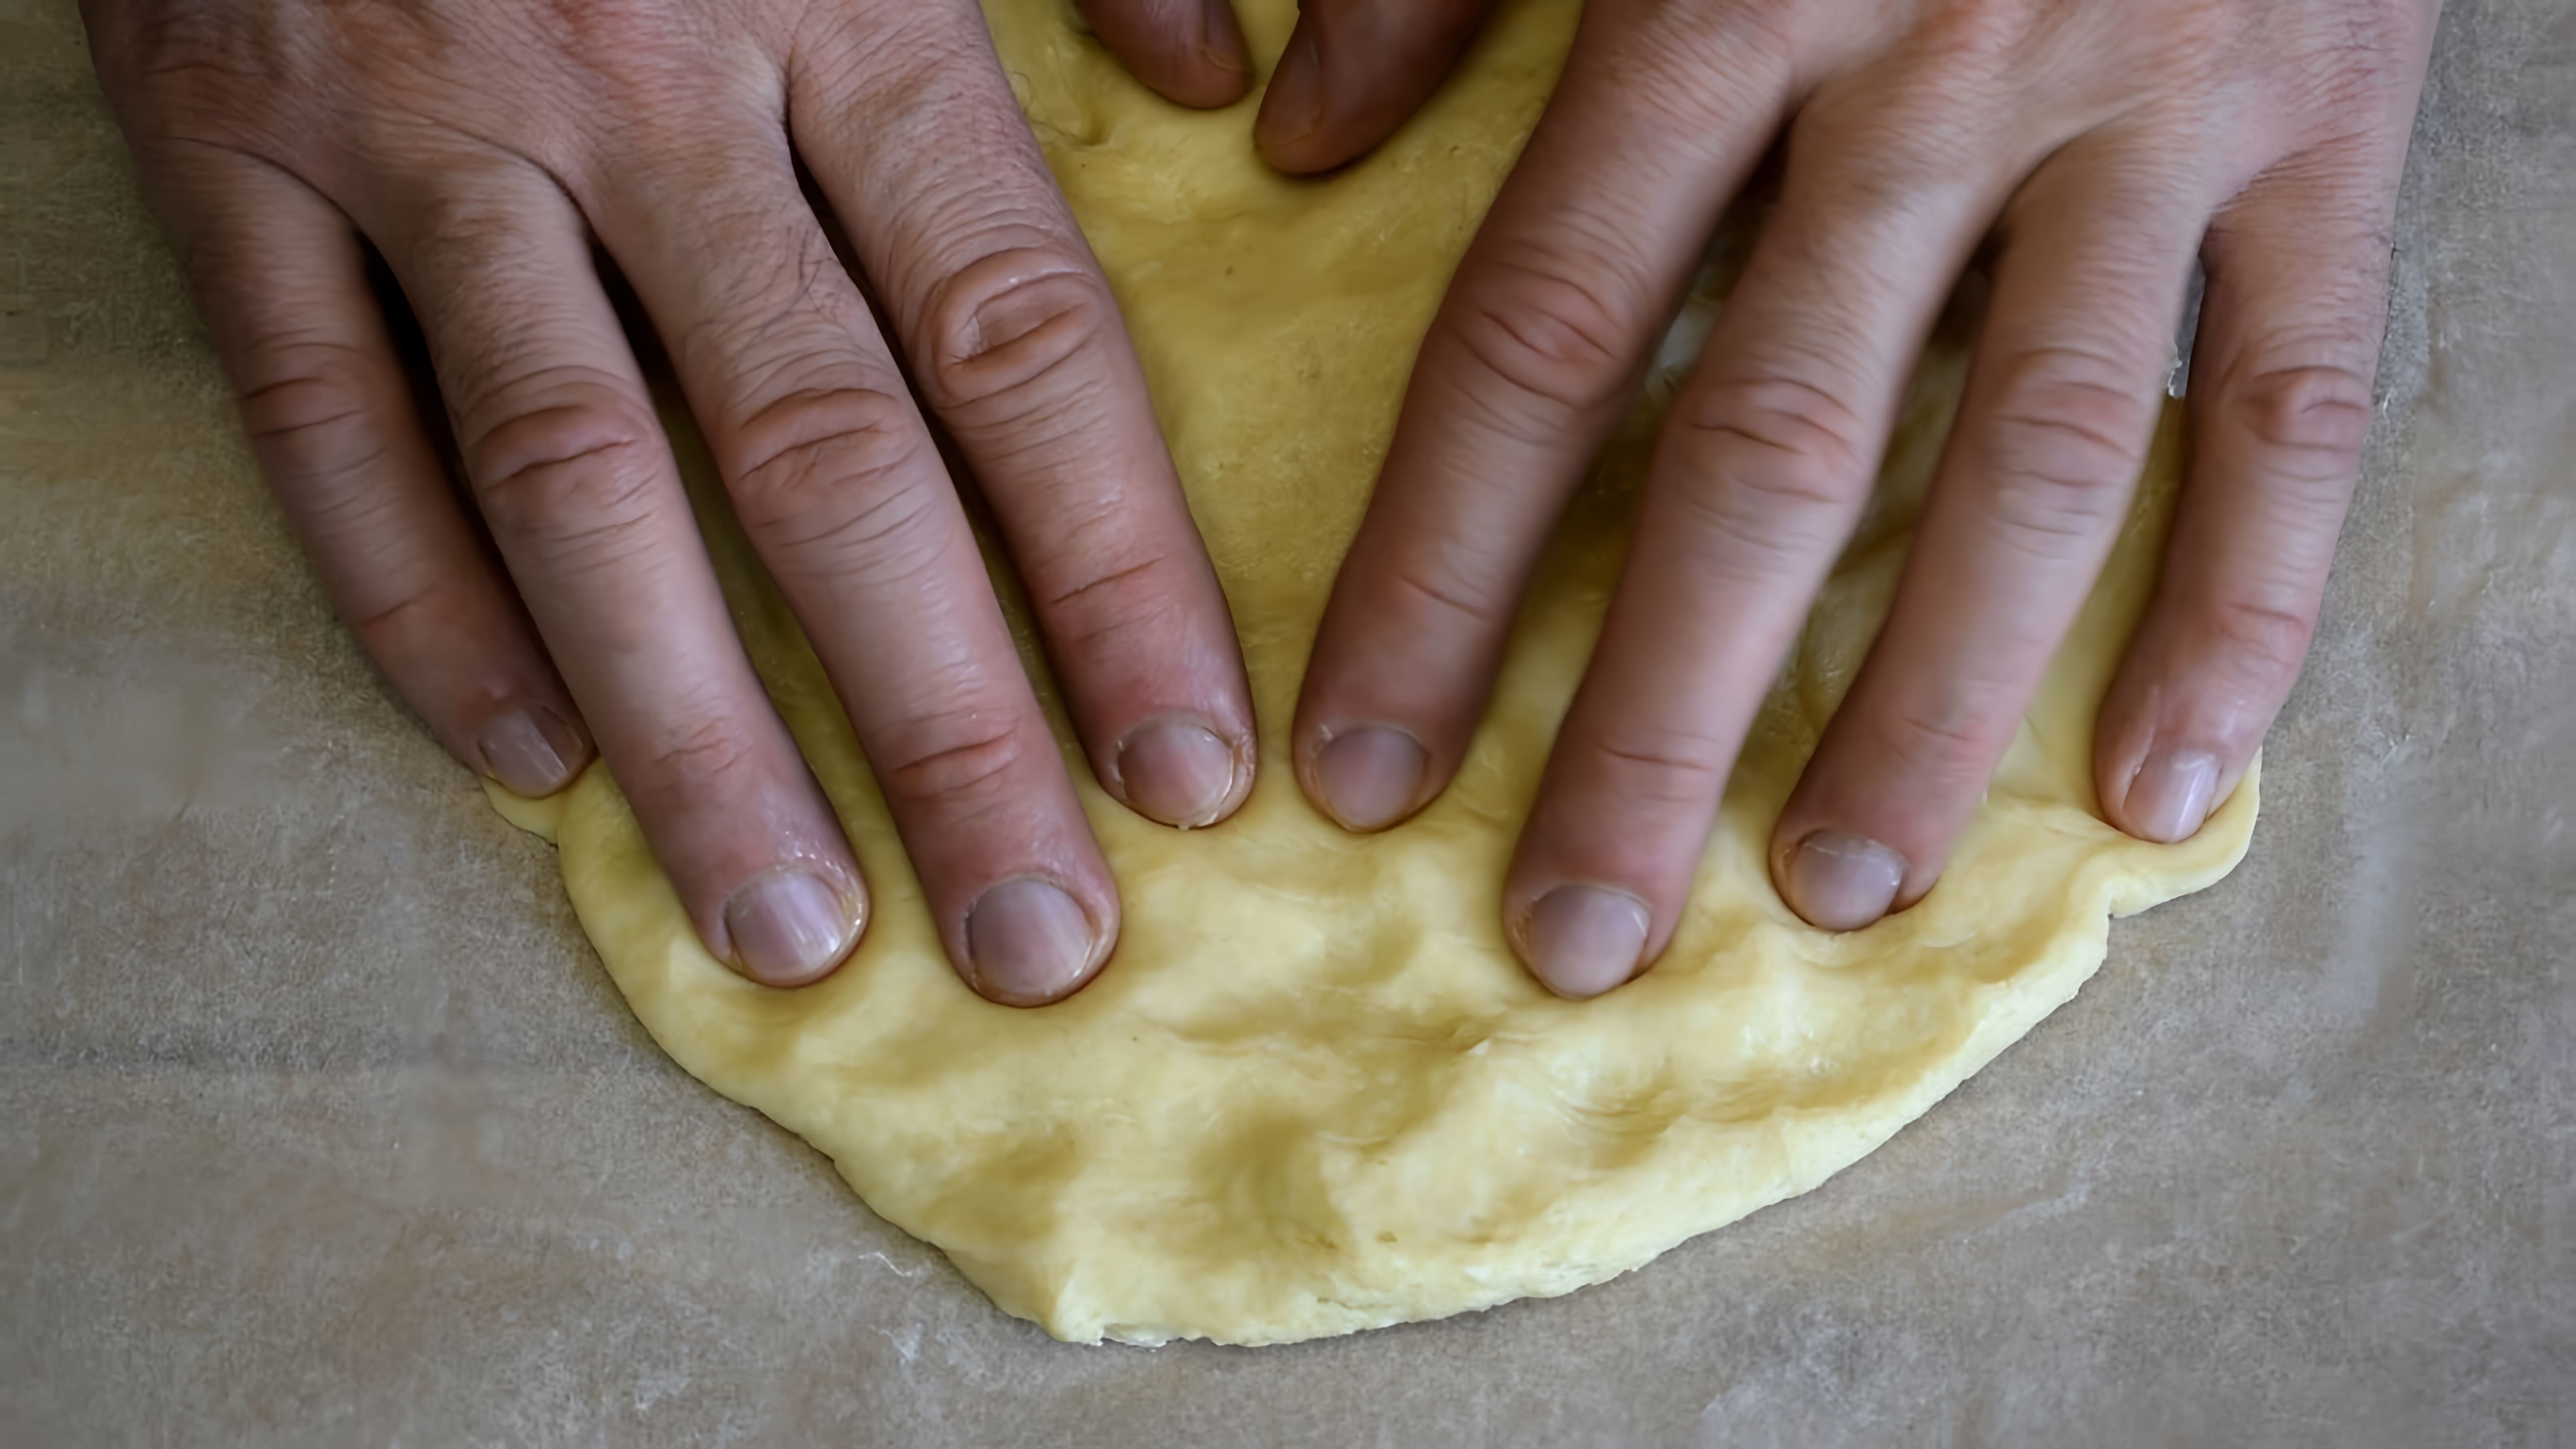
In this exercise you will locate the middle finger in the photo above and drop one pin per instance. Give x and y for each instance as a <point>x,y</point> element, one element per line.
<point>576,479</point>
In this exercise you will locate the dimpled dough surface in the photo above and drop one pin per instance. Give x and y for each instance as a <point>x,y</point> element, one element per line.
<point>1313,1092</point>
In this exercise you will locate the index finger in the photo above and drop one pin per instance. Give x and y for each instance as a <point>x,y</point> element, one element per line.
<point>1190,51</point>
<point>1355,70</point>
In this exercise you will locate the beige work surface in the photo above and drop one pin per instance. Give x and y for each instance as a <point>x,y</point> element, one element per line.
<point>320,1123</point>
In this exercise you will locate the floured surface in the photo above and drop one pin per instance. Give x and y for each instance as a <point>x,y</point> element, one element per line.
<point>1313,1092</point>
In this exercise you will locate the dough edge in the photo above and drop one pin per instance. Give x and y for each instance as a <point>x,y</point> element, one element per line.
<point>649,948</point>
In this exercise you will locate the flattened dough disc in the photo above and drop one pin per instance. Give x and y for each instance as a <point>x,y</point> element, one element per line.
<point>1313,1092</point>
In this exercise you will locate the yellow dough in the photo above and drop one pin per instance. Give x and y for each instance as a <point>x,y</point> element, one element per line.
<point>1313,1092</point>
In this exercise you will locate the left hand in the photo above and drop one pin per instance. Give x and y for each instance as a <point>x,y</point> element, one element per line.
<point>2102,144</point>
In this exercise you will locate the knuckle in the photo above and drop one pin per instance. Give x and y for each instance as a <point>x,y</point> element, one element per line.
<point>420,605</point>
<point>701,760</point>
<point>831,467</point>
<point>1784,464</point>
<point>961,760</point>
<point>1545,334</point>
<point>1003,329</point>
<point>2064,440</point>
<point>2317,412</point>
<point>571,457</point>
<point>480,228</point>
<point>1944,745</point>
<point>1787,419</point>
<point>312,417</point>
<point>196,64</point>
<point>1124,595</point>
<point>2265,640</point>
<point>1661,767</point>
<point>1451,586</point>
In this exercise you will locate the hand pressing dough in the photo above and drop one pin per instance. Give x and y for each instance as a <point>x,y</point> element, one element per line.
<point>1313,1092</point>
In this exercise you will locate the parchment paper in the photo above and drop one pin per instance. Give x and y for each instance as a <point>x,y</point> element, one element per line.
<point>320,1124</point>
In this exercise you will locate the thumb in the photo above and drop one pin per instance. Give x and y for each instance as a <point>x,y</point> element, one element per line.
<point>1190,51</point>
<point>1353,71</point>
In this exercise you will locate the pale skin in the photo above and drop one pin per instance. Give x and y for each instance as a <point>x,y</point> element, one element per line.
<point>484,147</point>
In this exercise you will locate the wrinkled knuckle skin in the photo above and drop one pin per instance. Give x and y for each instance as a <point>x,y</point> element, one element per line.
<point>1469,593</point>
<point>193,73</point>
<point>701,764</point>
<point>429,605</point>
<point>1947,751</point>
<point>2263,645</point>
<point>1005,335</point>
<point>311,415</point>
<point>1661,769</point>
<point>826,471</point>
<point>963,762</point>
<point>2319,413</point>
<point>571,465</point>
<point>1087,601</point>
<point>2066,439</point>
<point>1780,462</point>
<point>1786,418</point>
<point>1545,334</point>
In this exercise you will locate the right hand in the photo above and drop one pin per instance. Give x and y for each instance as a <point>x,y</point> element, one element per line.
<point>2098,145</point>
<point>484,147</point>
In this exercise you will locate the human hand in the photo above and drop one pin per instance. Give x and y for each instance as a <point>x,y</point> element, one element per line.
<point>485,147</point>
<point>2101,144</point>
<point>1352,71</point>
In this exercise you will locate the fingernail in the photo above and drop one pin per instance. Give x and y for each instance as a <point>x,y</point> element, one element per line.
<point>788,927</point>
<point>1841,882</point>
<point>1027,942</point>
<point>1294,104</point>
<point>1370,775</point>
<point>1583,939</point>
<point>1221,38</point>
<point>2170,796</point>
<point>530,750</point>
<point>1176,772</point>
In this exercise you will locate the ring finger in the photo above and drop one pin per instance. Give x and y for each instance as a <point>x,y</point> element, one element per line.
<point>569,464</point>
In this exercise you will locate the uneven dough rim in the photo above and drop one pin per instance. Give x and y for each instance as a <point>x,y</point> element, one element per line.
<point>649,949</point>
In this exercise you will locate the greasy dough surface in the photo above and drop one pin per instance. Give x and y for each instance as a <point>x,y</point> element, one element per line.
<point>1313,1092</point>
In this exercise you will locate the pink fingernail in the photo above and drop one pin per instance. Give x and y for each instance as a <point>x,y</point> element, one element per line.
<point>1368,776</point>
<point>1028,942</point>
<point>531,750</point>
<point>2170,796</point>
<point>789,927</point>
<point>1177,772</point>
<point>1840,881</point>
<point>1584,940</point>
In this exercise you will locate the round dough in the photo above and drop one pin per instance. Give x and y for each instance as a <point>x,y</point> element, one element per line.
<point>1313,1092</point>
